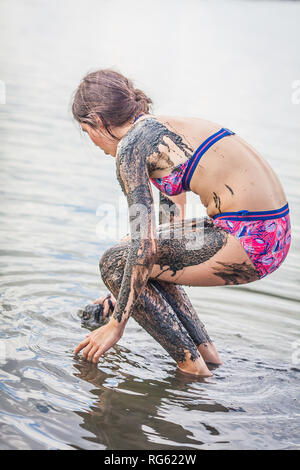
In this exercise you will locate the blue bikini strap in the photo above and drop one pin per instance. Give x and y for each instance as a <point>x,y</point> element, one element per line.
<point>137,117</point>
<point>191,166</point>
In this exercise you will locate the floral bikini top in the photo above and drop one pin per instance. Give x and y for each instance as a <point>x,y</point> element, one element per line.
<point>172,184</point>
<point>180,178</point>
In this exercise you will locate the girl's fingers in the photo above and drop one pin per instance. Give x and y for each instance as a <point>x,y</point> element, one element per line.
<point>86,350</point>
<point>103,298</point>
<point>97,355</point>
<point>91,353</point>
<point>106,309</point>
<point>99,301</point>
<point>81,345</point>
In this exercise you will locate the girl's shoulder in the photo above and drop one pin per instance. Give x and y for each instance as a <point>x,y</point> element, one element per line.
<point>142,136</point>
<point>151,136</point>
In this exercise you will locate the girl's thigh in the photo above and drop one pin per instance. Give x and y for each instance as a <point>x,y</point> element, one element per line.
<point>201,255</point>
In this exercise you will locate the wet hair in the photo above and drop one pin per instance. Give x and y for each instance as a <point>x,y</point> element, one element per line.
<point>110,96</point>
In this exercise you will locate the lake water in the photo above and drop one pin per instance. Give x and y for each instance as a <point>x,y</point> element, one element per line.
<point>233,62</point>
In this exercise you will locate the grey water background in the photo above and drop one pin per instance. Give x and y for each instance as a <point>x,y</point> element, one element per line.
<point>233,62</point>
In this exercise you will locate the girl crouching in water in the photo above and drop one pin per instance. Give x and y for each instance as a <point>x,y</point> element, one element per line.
<point>245,236</point>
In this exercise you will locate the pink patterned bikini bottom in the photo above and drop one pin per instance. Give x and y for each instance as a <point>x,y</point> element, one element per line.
<point>265,235</point>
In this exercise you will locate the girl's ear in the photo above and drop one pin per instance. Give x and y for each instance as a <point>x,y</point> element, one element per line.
<point>100,127</point>
<point>100,124</point>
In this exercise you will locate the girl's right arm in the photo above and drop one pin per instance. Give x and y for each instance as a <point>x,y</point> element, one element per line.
<point>171,208</point>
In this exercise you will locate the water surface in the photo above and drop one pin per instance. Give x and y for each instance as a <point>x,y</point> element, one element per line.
<point>233,62</point>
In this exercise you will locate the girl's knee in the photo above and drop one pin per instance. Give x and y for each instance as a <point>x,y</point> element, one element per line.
<point>112,262</point>
<point>104,264</point>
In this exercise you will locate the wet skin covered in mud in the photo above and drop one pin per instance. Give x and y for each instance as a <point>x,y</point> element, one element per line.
<point>126,267</point>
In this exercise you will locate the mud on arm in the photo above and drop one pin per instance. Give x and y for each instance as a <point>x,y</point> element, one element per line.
<point>132,174</point>
<point>171,208</point>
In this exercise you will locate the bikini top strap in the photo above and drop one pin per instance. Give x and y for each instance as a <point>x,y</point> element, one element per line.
<point>187,176</point>
<point>137,117</point>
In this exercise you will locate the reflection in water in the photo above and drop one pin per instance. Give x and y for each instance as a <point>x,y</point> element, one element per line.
<point>125,408</point>
<point>52,182</point>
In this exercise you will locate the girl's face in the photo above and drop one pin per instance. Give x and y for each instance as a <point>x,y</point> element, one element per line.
<point>102,139</point>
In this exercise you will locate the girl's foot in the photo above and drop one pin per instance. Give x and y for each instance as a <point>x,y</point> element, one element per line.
<point>209,353</point>
<point>196,367</point>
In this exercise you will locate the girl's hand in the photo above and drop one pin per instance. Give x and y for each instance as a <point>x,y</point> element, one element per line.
<point>99,341</point>
<point>125,239</point>
<point>108,303</point>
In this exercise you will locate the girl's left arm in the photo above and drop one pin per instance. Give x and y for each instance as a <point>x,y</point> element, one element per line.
<point>132,174</point>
